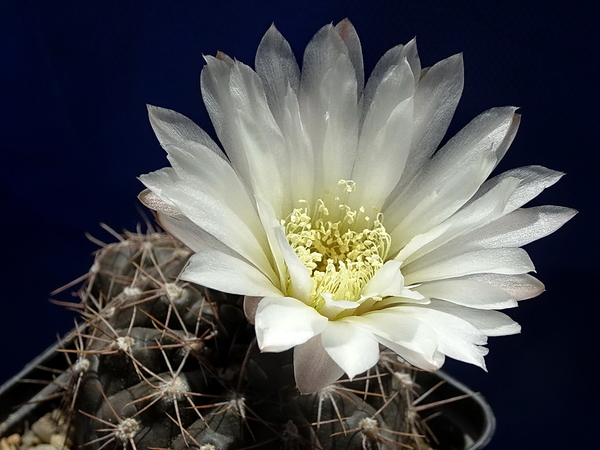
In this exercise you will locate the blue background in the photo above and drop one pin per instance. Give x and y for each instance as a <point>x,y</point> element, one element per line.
<point>74,135</point>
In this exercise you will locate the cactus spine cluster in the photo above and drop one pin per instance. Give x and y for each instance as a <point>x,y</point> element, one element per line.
<point>167,364</point>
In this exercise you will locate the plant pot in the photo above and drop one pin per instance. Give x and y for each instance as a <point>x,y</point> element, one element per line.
<point>466,423</point>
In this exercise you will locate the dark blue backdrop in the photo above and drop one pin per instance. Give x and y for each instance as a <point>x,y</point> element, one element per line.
<point>75,78</point>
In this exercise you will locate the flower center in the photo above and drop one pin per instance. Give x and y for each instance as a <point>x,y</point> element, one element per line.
<point>340,256</point>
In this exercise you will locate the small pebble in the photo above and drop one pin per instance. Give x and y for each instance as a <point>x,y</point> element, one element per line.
<point>45,434</point>
<point>14,439</point>
<point>4,445</point>
<point>45,427</point>
<point>58,441</point>
<point>29,439</point>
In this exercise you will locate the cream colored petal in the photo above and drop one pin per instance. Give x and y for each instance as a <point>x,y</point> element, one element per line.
<point>320,55</point>
<point>492,323</point>
<point>457,337</point>
<point>226,273</point>
<point>238,108</point>
<point>385,138</point>
<point>328,105</point>
<point>206,171</point>
<point>468,293</point>
<point>276,66</point>
<point>300,281</point>
<point>509,261</point>
<point>516,229</point>
<point>388,281</point>
<point>280,76</point>
<point>284,322</point>
<point>520,227</point>
<point>352,348</point>
<point>520,287</point>
<point>452,176</point>
<point>259,137</point>
<point>350,37</point>
<point>214,216</point>
<point>442,201</point>
<point>332,308</point>
<point>152,201</point>
<point>476,214</point>
<point>430,363</point>
<point>408,335</point>
<point>301,156</point>
<point>393,57</point>
<point>172,128</point>
<point>192,235</point>
<point>533,180</point>
<point>437,94</point>
<point>270,224</point>
<point>214,82</point>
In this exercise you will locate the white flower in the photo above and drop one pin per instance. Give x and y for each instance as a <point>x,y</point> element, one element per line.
<point>332,212</point>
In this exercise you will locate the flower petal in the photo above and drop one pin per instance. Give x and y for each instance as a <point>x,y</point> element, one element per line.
<point>416,358</point>
<point>239,110</point>
<point>414,340</point>
<point>300,281</point>
<point>192,235</point>
<point>285,322</point>
<point>388,282</point>
<point>301,159</point>
<point>276,66</point>
<point>352,348</point>
<point>313,367</point>
<point>280,76</point>
<point>329,107</point>
<point>172,128</point>
<point>250,307</point>
<point>393,57</point>
<point>350,37</point>
<point>203,167</point>
<point>259,138</point>
<point>475,214</point>
<point>520,227</point>
<point>508,261</point>
<point>457,337</point>
<point>152,201</point>
<point>533,180</point>
<point>332,308</point>
<point>468,293</point>
<point>213,215</point>
<point>440,204</point>
<point>214,82</point>
<point>270,224</point>
<point>437,94</point>
<point>520,287</point>
<point>385,137</point>
<point>492,323</point>
<point>437,192</point>
<point>226,273</point>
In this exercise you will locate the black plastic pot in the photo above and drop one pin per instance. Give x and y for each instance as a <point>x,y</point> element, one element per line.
<point>466,423</point>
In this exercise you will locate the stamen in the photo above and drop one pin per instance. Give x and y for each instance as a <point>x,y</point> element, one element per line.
<point>341,259</point>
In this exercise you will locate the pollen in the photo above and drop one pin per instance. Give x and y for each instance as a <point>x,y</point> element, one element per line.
<point>341,255</point>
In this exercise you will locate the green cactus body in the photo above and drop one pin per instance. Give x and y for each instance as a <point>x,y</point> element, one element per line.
<point>168,364</point>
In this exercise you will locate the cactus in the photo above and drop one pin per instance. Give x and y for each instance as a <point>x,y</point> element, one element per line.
<point>163,363</point>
